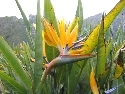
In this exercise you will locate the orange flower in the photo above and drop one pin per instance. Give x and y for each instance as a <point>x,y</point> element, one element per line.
<point>66,42</point>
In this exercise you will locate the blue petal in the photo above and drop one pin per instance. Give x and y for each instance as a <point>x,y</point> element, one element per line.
<point>112,89</point>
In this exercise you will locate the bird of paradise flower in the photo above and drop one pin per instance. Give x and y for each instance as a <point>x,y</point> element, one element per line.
<point>67,42</point>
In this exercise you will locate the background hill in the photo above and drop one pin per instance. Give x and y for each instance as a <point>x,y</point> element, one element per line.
<point>94,20</point>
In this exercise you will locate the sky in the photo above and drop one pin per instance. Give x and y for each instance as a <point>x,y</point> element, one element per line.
<point>63,8</point>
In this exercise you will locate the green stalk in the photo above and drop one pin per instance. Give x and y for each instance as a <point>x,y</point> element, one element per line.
<point>42,80</point>
<point>68,78</point>
<point>38,48</point>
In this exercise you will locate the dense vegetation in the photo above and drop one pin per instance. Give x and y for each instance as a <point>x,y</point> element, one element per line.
<point>65,58</point>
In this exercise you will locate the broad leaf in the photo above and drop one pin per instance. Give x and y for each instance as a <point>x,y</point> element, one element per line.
<point>109,46</point>
<point>120,88</point>
<point>49,14</point>
<point>103,78</point>
<point>79,14</point>
<point>118,71</point>
<point>73,79</point>
<point>118,59</point>
<point>101,51</point>
<point>118,51</point>
<point>51,52</point>
<point>26,23</point>
<point>12,84</point>
<point>74,23</point>
<point>14,62</point>
<point>92,40</point>
<point>38,48</point>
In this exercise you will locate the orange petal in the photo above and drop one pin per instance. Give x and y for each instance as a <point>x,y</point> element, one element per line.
<point>93,83</point>
<point>62,30</point>
<point>43,47</point>
<point>48,40</point>
<point>73,35</point>
<point>51,33</point>
<point>70,28</point>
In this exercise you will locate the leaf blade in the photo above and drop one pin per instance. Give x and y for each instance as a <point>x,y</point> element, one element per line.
<point>79,14</point>
<point>14,62</point>
<point>49,14</point>
<point>26,22</point>
<point>92,40</point>
<point>101,50</point>
<point>11,83</point>
<point>38,48</point>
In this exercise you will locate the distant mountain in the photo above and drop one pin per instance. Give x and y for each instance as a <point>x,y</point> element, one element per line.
<point>14,30</point>
<point>120,20</point>
<point>94,20</point>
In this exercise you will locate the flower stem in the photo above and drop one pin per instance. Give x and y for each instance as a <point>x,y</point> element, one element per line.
<point>42,80</point>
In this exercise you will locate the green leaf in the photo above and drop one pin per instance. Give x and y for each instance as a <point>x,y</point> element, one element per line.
<point>117,51</point>
<point>27,59</point>
<point>101,51</point>
<point>92,40</point>
<point>49,14</point>
<point>84,81</point>
<point>73,79</point>
<point>23,15</point>
<point>74,23</point>
<point>118,36</point>
<point>14,62</point>
<point>74,76</point>
<point>43,89</point>
<point>12,84</point>
<point>38,48</point>
<point>61,74</point>
<point>108,48</point>
<point>118,71</point>
<point>103,78</point>
<point>51,52</point>
<point>26,22</point>
<point>119,64</point>
<point>121,88</point>
<point>79,14</point>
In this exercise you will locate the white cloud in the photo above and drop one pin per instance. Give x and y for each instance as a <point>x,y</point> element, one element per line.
<point>63,8</point>
<point>92,7</point>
